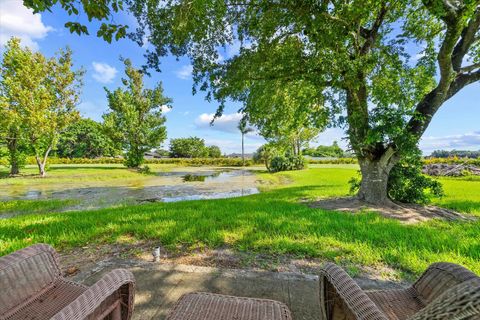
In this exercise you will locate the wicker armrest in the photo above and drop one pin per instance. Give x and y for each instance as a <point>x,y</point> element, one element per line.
<point>339,291</point>
<point>459,302</point>
<point>119,284</point>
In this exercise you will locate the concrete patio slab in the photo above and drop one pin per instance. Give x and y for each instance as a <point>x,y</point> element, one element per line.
<point>159,286</point>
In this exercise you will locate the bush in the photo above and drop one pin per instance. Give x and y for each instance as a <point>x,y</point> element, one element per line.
<point>227,162</point>
<point>408,184</point>
<point>287,163</point>
<point>333,161</point>
<point>145,170</point>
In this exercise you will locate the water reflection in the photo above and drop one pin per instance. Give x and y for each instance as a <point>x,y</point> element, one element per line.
<point>177,185</point>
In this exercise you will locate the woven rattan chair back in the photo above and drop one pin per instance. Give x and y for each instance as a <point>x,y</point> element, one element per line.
<point>25,273</point>
<point>440,277</point>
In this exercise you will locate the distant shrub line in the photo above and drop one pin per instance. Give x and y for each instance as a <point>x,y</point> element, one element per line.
<point>233,162</point>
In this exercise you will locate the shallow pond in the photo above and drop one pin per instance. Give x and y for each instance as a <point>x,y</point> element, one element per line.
<point>176,185</point>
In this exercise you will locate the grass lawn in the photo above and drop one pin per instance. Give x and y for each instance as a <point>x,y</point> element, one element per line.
<point>275,221</point>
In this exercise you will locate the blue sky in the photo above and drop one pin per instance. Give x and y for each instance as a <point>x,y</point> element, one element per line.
<point>455,126</point>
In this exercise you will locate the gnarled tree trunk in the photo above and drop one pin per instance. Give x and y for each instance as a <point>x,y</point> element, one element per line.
<point>375,173</point>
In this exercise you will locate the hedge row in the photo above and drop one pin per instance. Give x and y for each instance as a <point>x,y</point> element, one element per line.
<point>333,161</point>
<point>228,162</point>
<point>454,160</point>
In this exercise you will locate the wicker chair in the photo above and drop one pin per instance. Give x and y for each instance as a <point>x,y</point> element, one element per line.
<point>32,287</point>
<point>210,306</point>
<point>444,291</point>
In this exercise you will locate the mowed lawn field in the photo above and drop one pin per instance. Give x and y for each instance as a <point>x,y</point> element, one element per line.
<point>276,221</point>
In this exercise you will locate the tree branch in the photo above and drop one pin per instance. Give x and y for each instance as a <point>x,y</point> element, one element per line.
<point>468,38</point>
<point>462,80</point>
<point>371,35</point>
<point>470,68</point>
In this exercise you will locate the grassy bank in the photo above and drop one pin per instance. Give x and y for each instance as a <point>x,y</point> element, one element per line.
<point>274,222</point>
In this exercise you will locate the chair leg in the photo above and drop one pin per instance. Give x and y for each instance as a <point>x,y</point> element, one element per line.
<point>117,312</point>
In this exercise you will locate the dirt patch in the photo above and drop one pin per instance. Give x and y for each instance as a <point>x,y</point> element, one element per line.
<point>81,262</point>
<point>406,213</point>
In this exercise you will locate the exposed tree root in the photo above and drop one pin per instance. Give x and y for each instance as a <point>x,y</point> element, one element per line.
<point>406,213</point>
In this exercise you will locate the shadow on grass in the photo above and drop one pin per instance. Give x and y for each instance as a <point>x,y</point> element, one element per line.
<point>272,222</point>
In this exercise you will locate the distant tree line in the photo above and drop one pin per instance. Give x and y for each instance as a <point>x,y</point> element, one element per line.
<point>333,151</point>
<point>455,153</point>
<point>38,100</point>
<point>192,147</point>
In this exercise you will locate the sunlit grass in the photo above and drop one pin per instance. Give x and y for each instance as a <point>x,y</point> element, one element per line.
<point>274,222</point>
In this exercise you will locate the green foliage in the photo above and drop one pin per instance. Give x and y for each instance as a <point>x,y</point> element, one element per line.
<point>287,163</point>
<point>227,162</point>
<point>94,9</point>
<point>333,151</point>
<point>282,224</point>
<point>85,138</point>
<point>456,153</point>
<point>135,118</point>
<point>265,154</point>
<point>454,160</point>
<point>302,63</point>
<point>192,147</point>
<point>38,98</point>
<point>214,152</point>
<point>145,170</point>
<point>407,184</point>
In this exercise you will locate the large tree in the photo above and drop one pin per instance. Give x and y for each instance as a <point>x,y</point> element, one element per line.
<point>135,117</point>
<point>192,147</point>
<point>86,138</point>
<point>358,58</point>
<point>38,99</point>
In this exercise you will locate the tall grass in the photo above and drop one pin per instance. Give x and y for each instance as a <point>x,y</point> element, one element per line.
<point>274,222</point>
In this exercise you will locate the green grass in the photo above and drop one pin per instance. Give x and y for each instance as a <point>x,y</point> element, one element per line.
<point>273,222</point>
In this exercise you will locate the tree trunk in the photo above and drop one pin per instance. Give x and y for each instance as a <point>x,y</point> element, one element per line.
<point>12,145</point>
<point>14,168</point>
<point>243,150</point>
<point>373,187</point>
<point>42,162</point>
<point>375,173</point>
<point>41,166</point>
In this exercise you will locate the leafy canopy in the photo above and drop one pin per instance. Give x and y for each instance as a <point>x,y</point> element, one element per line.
<point>94,9</point>
<point>86,138</point>
<point>135,117</point>
<point>38,96</point>
<point>192,147</point>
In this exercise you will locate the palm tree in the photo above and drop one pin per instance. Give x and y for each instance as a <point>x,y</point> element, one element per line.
<point>244,129</point>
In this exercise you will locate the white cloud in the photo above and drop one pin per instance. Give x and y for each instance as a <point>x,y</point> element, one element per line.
<point>225,123</point>
<point>19,21</point>
<point>468,141</point>
<point>166,109</point>
<point>104,73</point>
<point>327,137</point>
<point>185,72</point>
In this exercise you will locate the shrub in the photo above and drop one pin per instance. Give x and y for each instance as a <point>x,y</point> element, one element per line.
<point>408,184</point>
<point>144,170</point>
<point>287,163</point>
<point>227,162</point>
